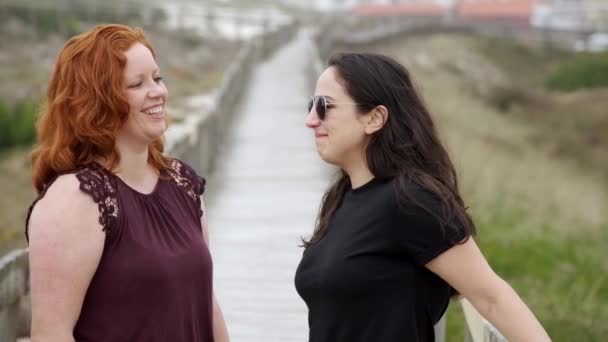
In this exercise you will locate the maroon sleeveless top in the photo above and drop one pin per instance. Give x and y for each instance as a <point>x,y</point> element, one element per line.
<point>154,279</point>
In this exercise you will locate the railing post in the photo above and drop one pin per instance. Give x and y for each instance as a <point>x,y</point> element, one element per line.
<point>14,271</point>
<point>467,334</point>
<point>440,328</point>
<point>477,329</point>
<point>8,322</point>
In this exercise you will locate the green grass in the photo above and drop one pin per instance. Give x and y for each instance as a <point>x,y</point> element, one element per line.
<point>583,71</point>
<point>17,124</point>
<point>69,19</point>
<point>562,277</point>
<point>14,180</point>
<point>43,20</point>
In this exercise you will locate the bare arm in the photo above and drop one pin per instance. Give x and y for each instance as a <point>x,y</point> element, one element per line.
<point>66,243</point>
<point>466,269</point>
<point>220,331</point>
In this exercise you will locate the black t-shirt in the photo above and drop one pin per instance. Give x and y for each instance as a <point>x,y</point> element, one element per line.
<point>365,280</point>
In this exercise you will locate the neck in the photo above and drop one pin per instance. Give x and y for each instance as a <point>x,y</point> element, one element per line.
<point>358,172</point>
<point>133,166</point>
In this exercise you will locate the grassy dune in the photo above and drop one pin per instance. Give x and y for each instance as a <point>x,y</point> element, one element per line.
<point>17,192</point>
<point>534,179</point>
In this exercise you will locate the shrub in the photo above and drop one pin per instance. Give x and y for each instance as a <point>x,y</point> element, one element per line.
<point>583,71</point>
<point>17,124</point>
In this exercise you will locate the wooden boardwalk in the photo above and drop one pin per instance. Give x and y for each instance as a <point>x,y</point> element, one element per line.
<point>262,197</point>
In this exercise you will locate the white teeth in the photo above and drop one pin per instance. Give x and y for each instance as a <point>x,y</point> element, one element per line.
<point>154,110</point>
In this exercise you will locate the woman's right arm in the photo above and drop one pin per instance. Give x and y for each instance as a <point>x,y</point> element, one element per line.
<point>65,245</point>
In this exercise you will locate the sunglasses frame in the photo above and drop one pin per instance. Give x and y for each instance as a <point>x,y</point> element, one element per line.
<point>313,102</point>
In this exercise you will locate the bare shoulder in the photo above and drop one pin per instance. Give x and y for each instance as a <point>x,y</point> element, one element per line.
<point>66,243</point>
<point>64,210</point>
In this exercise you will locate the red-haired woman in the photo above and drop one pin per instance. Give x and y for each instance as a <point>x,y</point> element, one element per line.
<point>118,234</point>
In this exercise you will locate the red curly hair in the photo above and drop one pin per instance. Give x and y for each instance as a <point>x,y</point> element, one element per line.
<point>86,105</point>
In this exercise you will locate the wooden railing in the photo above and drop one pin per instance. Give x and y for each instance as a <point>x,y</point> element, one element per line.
<point>194,139</point>
<point>477,328</point>
<point>14,295</point>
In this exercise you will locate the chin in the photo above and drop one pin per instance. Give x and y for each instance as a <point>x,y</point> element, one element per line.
<point>326,157</point>
<point>155,134</point>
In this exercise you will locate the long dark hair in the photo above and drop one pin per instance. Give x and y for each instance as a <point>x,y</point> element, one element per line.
<point>407,149</point>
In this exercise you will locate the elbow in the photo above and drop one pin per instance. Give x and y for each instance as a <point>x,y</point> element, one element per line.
<point>488,300</point>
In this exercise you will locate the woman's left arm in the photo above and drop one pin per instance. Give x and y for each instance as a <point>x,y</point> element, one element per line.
<point>465,268</point>
<point>220,331</point>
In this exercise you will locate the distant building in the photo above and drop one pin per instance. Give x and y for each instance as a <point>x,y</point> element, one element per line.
<point>348,5</point>
<point>571,14</point>
<point>334,5</point>
<point>556,14</point>
<point>515,12</point>
<point>559,14</point>
<point>411,8</point>
<point>595,13</point>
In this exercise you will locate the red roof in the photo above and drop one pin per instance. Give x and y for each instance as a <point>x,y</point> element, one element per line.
<point>422,9</point>
<point>494,9</point>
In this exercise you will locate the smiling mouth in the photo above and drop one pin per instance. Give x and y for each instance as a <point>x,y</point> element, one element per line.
<point>156,111</point>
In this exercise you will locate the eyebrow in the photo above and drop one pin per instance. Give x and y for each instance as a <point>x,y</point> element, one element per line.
<point>155,71</point>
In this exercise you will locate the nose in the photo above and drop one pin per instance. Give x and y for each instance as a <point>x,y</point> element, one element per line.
<point>157,90</point>
<point>312,119</point>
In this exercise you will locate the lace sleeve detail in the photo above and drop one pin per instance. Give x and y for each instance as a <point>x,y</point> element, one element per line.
<point>95,182</point>
<point>186,178</point>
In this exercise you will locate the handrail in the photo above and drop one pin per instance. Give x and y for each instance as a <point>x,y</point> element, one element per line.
<point>14,291</point>
<point>477,328</point>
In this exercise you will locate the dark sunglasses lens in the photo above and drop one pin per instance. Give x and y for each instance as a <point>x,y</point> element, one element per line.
<point>319,103</point>
<point>321,107</point>
<point>320,100</point>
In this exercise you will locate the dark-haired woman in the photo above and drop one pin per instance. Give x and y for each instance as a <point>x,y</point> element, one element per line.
<point>393,241</point>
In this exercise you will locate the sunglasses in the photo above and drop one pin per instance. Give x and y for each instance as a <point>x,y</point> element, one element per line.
<point>321,105</point>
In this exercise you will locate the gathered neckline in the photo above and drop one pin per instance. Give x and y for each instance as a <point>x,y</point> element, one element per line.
<point>112,174</point>
<point>151,193</point>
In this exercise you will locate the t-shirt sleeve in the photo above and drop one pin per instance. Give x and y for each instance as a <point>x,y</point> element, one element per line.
<point>420,234</point>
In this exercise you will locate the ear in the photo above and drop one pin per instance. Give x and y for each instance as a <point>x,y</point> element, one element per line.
<point>376,119</point>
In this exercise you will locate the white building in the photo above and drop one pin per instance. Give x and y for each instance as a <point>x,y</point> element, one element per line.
<point>571,14</point>
<point>346,5</point>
